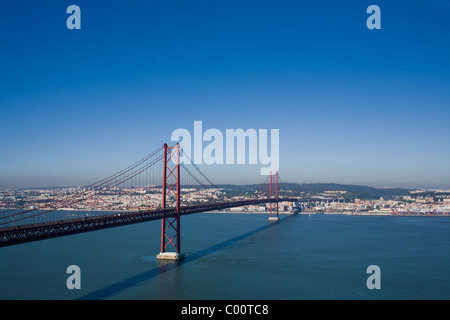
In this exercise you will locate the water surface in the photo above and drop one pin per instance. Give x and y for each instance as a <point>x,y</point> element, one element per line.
<point>241,256</point>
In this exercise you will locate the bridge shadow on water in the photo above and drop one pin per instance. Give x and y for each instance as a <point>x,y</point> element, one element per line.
<point>163,267</point>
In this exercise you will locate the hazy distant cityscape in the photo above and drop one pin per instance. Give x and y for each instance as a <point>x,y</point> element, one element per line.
<point>392,202</point>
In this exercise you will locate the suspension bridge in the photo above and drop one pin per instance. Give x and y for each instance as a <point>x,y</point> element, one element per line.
<point>163,171</point>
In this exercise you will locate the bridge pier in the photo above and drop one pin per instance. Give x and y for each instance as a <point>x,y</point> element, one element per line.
<point>170,256</point>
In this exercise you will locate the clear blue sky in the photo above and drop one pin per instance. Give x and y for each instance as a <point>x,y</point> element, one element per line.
<point>352,105</point>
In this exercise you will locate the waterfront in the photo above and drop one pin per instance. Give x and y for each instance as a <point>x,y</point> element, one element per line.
<point>238,256</point>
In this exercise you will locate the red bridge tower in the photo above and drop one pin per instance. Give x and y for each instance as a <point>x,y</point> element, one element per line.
<point>170,224</point>
<point>273,193</point>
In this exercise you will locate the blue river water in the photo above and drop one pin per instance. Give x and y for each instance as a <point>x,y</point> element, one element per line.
<point>241,257</point>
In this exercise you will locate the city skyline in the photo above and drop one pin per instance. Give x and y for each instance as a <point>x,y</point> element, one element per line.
<point>352,105</point>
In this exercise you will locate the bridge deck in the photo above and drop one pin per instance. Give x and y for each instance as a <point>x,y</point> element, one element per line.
<point>40,231</point>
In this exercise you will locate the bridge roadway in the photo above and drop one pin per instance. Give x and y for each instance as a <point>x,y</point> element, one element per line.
<point>47,230</point>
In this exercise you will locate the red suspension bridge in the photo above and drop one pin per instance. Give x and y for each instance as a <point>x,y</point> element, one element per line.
<point>161,170</point>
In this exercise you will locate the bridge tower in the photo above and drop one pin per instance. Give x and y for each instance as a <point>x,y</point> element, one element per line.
<point>273,193</point>
<point>170,224</point>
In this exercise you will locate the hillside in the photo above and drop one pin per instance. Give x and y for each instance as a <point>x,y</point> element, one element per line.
<point>319,189</point>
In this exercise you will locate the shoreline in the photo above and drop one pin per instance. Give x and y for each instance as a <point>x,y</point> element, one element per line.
<point>360,213</point>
